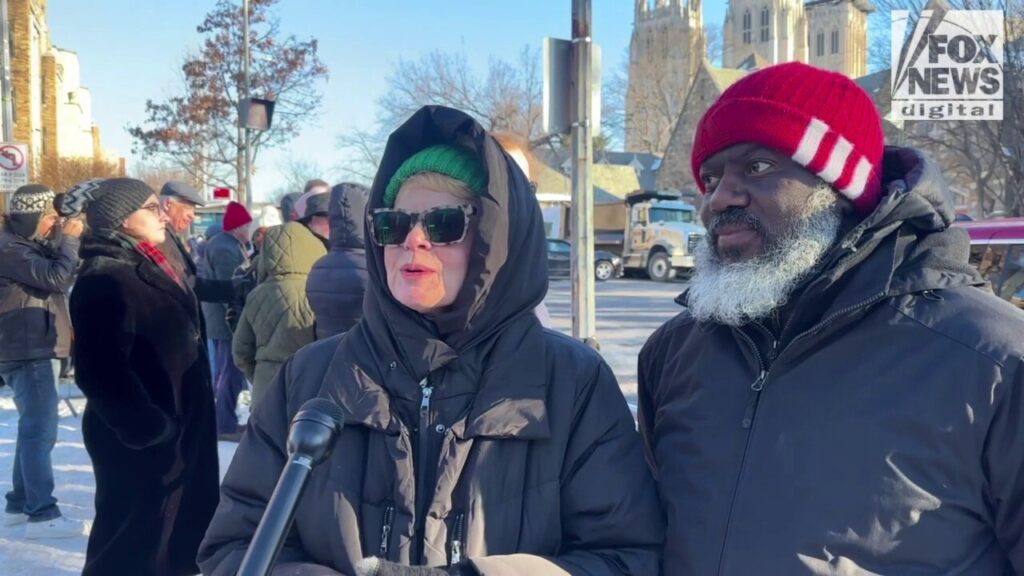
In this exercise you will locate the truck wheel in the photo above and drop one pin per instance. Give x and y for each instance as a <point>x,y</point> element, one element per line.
<point>603,270</point>
<point>659,268</point>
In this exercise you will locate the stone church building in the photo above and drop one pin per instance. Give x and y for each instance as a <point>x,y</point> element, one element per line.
<point>671,82</point>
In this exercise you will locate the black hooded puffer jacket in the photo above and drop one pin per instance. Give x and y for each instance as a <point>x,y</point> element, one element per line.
<point>503,443</point>
<point>337,283</point>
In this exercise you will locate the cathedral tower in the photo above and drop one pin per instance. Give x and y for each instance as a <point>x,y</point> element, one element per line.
<point>665,51</point>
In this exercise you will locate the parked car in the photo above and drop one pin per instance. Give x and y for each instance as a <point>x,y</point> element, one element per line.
<point>997,250</point>
<point>606,264</point>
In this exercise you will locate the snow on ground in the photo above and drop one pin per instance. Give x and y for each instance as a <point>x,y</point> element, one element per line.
<point>75,490</point>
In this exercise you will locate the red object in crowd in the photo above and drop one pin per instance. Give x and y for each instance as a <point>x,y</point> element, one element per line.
<point>222,193</point>
<point>235,217</point>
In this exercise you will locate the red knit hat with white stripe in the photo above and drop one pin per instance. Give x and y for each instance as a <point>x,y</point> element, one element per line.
<point>821,119</point>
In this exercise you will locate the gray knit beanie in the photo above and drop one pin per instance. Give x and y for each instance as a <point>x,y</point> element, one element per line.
<point>114,200</point>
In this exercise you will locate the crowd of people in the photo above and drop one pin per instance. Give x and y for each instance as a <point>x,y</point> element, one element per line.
<point>840,394</point>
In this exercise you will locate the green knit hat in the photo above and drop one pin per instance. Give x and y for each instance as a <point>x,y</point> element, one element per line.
<point>452,161</point>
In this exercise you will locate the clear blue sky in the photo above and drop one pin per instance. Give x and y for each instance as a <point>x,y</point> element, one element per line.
<point>131,50</point>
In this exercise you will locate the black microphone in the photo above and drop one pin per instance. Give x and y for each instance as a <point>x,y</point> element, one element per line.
<point>310,439</point>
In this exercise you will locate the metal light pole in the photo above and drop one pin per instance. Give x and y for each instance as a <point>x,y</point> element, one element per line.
<point>8,105</point>
<point>583,319</point>
<point>246,131</point>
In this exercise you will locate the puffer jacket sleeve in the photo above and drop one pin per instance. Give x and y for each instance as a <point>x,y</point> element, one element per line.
<point>1003,463</point>
<point>613,526</point>
<point>33,269</point>
<point>247,488</point>
<point>102,318</point>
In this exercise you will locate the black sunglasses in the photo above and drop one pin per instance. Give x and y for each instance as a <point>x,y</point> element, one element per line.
<point>443,225</point>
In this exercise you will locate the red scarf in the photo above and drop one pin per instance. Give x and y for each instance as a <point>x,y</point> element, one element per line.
<point>157,257</point>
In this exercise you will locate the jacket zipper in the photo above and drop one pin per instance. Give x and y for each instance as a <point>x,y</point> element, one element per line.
<point>427,390</point>
<point>458,533</point>
<point>758,387</point>
<point>385,532</point>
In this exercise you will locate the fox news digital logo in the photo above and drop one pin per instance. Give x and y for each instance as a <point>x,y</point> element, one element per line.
<point>950,67</point>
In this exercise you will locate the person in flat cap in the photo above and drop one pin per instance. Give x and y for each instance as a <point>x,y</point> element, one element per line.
<point>179,202</point>
<point>38,259</point>
<point>476,441</point>
<point>149,423</point>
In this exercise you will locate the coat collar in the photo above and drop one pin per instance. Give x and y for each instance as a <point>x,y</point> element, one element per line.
<point>510,402</point>
<point>145,270</point>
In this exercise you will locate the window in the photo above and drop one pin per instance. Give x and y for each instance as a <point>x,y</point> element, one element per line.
<point>766,17</point>
<point>671,215</point>
<point>747,24</point>
<point>835,41</point>
<point>559,247</point>
<point>821,43</point>
<point>1000,264</point>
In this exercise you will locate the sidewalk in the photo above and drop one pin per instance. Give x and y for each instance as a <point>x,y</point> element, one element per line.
<point>75,490</point>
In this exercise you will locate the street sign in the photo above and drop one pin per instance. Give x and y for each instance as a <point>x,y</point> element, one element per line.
<point>13,166</point>
<point>558,95</point>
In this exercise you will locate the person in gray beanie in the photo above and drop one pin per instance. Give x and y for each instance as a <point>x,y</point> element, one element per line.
<point>149,423</point>
<point>38,258</point>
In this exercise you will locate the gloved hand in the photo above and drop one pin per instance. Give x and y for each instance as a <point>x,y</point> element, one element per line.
<point>378,567</point>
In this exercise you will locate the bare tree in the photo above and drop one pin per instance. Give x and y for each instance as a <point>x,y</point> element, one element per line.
<point>198,129</point>
<point>157,174</point>
<point>297,172</point>
<point>714,39</point>
<point>507,97</point>
<point>64,172</point>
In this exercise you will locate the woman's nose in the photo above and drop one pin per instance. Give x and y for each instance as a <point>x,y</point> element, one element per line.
<point>417,238</point>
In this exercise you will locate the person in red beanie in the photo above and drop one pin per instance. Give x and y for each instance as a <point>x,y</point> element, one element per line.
<point>841,394</point>
<point>225,253</point>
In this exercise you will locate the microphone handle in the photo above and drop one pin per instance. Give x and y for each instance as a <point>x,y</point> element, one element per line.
<point>277,518</point>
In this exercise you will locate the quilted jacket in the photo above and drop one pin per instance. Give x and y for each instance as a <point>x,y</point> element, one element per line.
<point>277,319</point>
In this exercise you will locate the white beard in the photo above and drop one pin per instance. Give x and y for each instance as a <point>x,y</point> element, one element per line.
<point>736,293</point>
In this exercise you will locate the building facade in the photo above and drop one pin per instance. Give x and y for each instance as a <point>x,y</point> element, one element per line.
<point>668,45</point>
<point>51,110</point>
<point>666,48</point>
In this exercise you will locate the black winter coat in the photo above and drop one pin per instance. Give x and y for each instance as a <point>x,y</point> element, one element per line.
<point>880,431</point>
<point>34,280</point>
<point>149,424</point>
<point>337,283</point>
<point>501,442</point>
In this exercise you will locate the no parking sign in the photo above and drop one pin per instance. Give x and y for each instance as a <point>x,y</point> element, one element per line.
<point>13,166</point>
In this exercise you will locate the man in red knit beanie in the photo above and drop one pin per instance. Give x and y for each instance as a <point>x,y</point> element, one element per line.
<point>841,394</point>
<point>226,252</point>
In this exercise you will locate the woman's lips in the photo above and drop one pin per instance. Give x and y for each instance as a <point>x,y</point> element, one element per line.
<point>415,271</point>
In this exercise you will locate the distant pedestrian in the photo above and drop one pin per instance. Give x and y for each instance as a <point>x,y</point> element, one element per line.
<point>338,280</point>
<point>225,253</point>
<point>38,257</point>
<point>518,148</point>
<point>312,210</point>
<point>277,319</point>
<point>149,423</point>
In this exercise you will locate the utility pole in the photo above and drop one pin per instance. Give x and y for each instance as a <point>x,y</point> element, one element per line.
<point>246,131</point>
<point>5,37</point>
<point>583,318</point>
<point>5,85</point>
